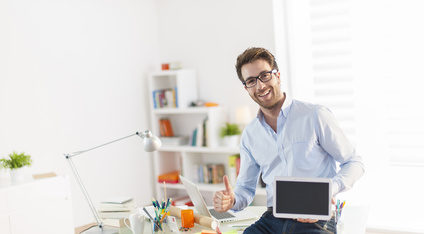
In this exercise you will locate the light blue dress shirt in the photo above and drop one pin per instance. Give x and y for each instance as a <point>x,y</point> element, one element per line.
<point>308,142</point>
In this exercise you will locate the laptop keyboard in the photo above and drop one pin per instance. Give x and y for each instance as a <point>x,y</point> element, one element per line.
<point>219,215</point>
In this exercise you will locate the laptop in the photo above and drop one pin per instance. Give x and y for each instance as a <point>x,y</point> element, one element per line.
<point>200,205</point>
<point>307,198</point>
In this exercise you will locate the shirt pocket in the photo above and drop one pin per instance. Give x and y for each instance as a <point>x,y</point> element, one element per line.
<point>307,156</point>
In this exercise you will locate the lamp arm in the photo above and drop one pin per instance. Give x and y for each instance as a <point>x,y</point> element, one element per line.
<point>84,191</point>
<point>110,142</point>
<point>78,178</point>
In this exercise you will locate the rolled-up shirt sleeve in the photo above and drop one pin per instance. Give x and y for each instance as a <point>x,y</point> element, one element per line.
<point>247,179</point>
<point>335,143</point>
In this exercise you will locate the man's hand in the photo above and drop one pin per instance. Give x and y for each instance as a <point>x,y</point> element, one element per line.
<point>313,220</point>
<point>224,200</point>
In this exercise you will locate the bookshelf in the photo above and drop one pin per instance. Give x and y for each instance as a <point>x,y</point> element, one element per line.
<point>184,119</point>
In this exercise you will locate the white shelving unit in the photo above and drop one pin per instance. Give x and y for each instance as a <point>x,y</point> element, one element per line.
<point>184,120</point>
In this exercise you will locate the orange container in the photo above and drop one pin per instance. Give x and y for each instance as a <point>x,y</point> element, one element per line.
<point>187,218</point>
<point>165,66</point>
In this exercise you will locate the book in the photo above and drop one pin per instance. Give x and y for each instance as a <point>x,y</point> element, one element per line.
<point>199,173</point>
<point>168,128</point>
<point>117,200</point>
<point>169,96</point>
<point>221,173</point>
<point>115,214</point>
<point>165,128</point>
<point>199,135</point>
<point>116,206</point>
<point>204,136</point>
<point>205,174</point>
<point>194,137</point>
<point>171,177</point>
<point>215,178</point>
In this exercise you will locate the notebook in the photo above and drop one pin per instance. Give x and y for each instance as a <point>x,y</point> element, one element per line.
<point>200,205</point>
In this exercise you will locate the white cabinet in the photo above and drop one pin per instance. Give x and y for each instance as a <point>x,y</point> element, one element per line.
<point>41,206</point>
<point>184,119</point>
<point>4,224</point>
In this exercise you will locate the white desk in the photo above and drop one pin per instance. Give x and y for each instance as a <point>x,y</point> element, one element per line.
<point>258,210</point>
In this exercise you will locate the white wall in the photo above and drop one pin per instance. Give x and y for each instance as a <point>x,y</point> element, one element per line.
<point>72,76</point>
<point>208,36</point>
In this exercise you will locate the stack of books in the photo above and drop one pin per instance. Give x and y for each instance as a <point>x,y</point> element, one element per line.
<point>116,208</point>
<point>165,127</point>
<point>199,137</point>
<point>171,177</point>
<point>165,98</point>
<point>210,173</point>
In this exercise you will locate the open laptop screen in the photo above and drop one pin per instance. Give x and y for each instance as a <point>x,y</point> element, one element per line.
<point>302,198</point>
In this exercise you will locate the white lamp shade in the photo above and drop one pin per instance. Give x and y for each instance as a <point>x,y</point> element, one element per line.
<point>151,143</point>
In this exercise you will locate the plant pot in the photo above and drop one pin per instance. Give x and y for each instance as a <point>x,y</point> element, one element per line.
<point>231,141</point>
<point>17,175</point>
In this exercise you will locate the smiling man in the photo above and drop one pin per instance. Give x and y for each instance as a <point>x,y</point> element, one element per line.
<point>287,138</point>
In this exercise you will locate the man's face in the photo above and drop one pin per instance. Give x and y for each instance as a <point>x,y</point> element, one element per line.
<point>267,94</point>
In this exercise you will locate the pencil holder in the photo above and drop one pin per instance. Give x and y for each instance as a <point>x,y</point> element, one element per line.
<point>156,230</point>
<point>340,226</point>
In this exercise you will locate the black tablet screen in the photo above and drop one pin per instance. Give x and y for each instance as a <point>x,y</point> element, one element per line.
<point>297,197</point>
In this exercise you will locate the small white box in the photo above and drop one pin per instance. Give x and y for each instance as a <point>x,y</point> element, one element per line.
<point>174,141</point>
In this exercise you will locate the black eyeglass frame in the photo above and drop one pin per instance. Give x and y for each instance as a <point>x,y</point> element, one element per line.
<point>259,78</point>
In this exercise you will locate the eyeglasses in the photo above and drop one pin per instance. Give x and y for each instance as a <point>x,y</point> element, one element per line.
<point>264,77</point>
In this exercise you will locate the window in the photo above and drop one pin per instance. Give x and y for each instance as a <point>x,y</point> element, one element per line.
<point>364,60</point>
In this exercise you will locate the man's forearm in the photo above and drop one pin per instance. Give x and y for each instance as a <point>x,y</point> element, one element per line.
<point>349,173</point>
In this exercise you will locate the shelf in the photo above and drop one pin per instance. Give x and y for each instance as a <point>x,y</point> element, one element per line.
<point>192,149</point>
<point>168,72</point>
<point>181,111</point>
<point>208,187</point>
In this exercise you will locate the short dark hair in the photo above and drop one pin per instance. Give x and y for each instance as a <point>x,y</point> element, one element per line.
<point>251,55</point>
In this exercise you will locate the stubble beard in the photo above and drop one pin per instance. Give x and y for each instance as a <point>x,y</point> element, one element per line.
<point>277,97</point>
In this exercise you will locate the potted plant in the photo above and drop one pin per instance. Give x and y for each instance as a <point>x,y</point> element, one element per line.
<point>15,163</point>
<point>230,133</point>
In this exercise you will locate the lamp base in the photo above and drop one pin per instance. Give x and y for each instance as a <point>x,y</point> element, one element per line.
<point>103,230</point>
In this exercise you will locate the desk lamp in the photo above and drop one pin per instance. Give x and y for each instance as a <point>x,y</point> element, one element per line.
<point>151,143</point>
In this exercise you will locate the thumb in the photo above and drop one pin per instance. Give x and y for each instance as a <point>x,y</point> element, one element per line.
<point>227,184</point>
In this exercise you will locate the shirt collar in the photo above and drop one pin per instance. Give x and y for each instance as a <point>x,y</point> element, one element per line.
<point>286,105</point>
<point>285,108</point>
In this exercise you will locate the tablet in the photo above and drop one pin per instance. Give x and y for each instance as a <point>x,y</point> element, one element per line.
<point>307,198</point>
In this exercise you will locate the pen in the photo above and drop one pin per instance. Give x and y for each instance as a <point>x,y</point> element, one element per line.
<point>151,219</point>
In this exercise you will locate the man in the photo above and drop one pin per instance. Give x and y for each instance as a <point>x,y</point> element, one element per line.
<point>287,138</point>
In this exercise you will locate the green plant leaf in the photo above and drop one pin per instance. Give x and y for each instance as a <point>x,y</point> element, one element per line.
<point>16,161</point>
<point>230,130</point>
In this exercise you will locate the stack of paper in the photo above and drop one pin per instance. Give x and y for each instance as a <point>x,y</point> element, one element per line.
<point>116,208</point>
